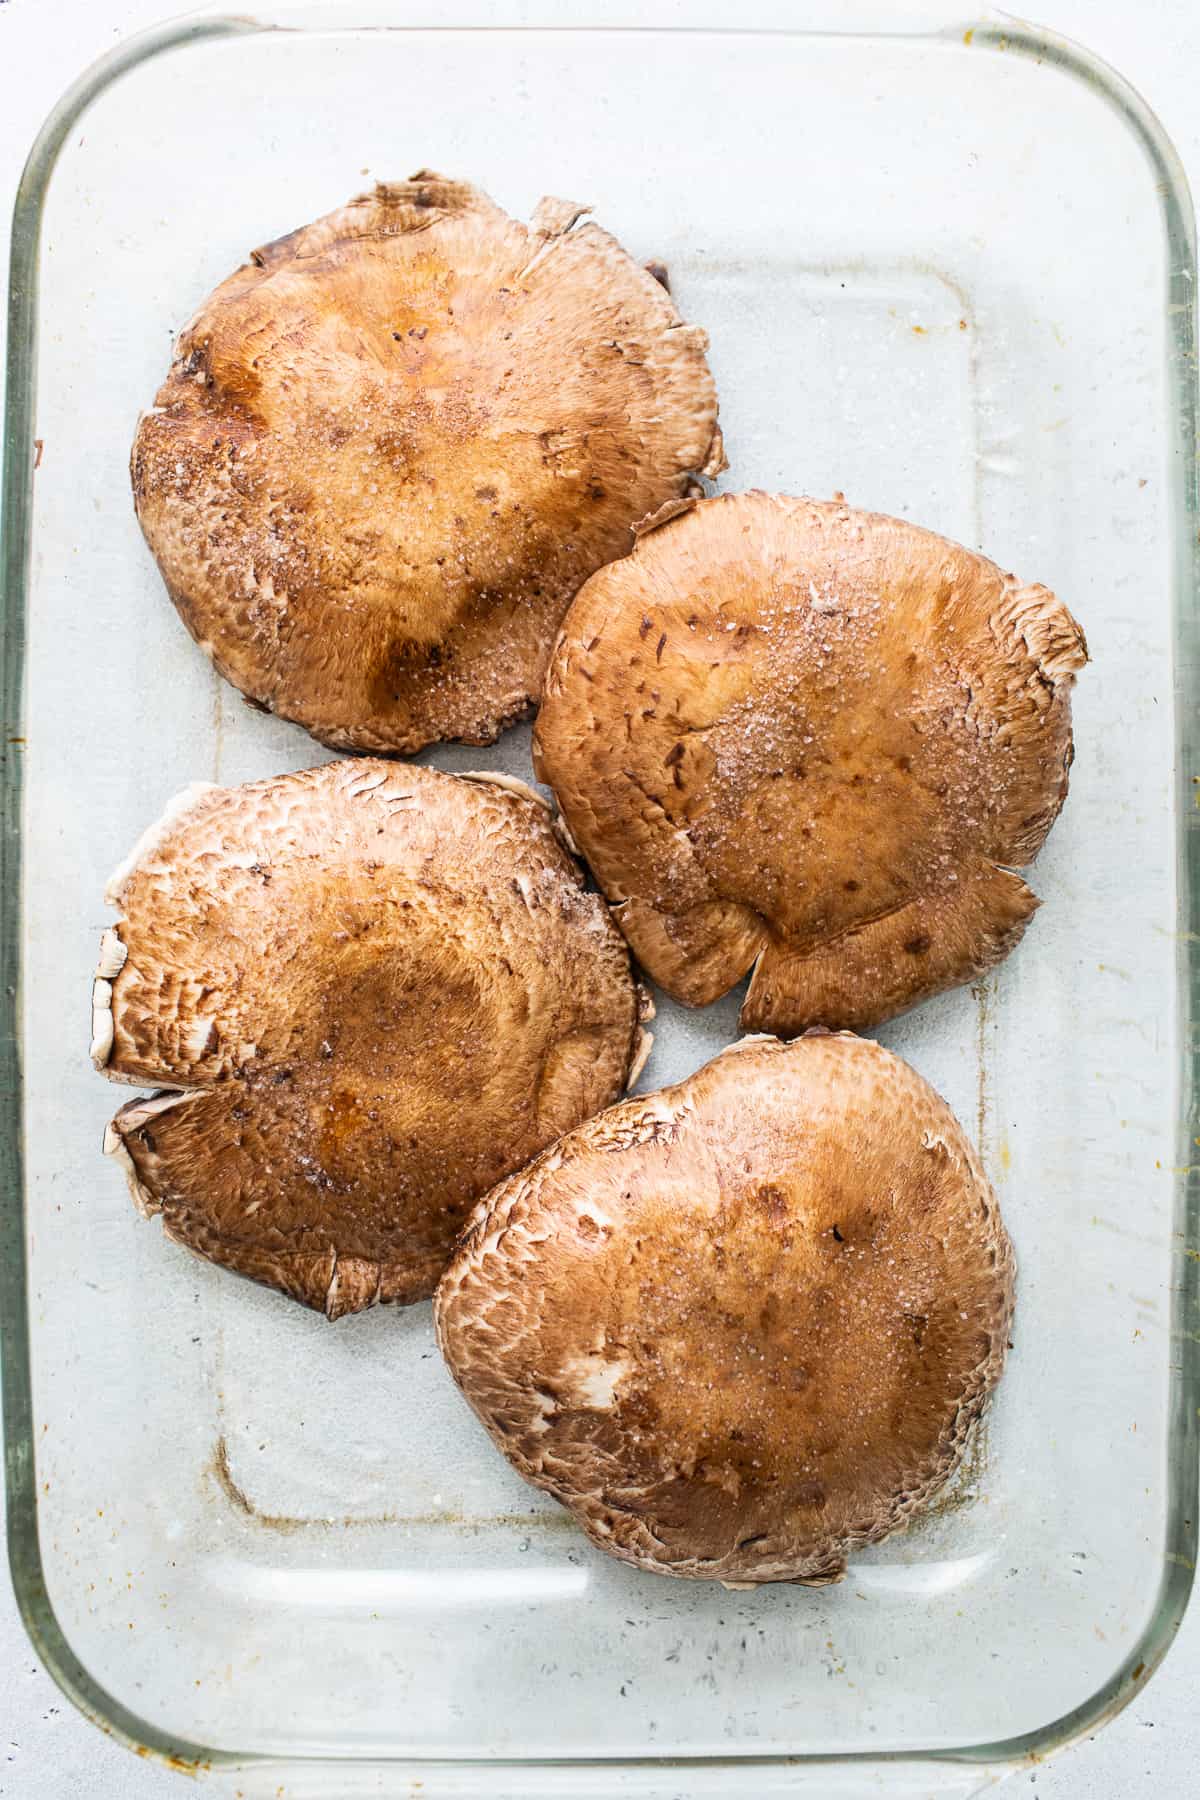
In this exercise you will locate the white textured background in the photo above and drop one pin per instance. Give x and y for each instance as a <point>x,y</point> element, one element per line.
<point>46,1751</point>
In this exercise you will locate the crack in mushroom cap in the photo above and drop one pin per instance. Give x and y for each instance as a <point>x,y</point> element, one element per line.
<point>392,446</point>
<point>817,742</point>
<point>743,1326</point>
<point>369,992</point>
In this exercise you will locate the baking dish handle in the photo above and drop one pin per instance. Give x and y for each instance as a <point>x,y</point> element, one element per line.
<point>854,1778</point>
<point>917,18</point>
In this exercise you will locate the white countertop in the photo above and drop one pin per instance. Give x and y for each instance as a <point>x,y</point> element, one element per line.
<point>47,1752</point>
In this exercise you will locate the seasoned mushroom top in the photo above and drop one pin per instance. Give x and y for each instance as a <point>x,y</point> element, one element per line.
<point>380,990</point>
<point>392,446</point>
<point>792,735</point>
<point>742,1326</point>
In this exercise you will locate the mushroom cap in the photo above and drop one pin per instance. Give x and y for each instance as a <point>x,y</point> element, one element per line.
<point>817,741</point>
<point>740,1327</point>
<point>392,446</point>
<point>373,992</point>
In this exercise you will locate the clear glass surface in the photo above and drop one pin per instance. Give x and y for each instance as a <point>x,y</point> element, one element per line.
<point>948,268</point>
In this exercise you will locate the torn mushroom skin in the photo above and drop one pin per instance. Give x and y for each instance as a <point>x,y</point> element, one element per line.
<point>365,994</point>
<point>813,743</point>
<point>741,1327</point>
<point>392,446</point>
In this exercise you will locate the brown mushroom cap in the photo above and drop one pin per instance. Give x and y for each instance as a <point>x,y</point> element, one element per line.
<point>392,446</point>
<point>740,1327</point>
<point>817,741</point>
<point>380,989</point>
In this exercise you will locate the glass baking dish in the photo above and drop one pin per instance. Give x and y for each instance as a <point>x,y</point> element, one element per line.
<point>948,267</point>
